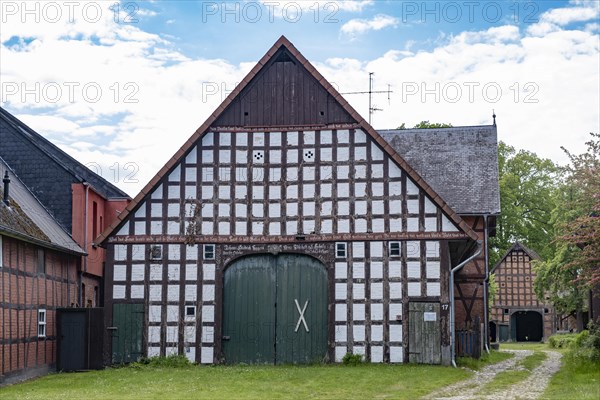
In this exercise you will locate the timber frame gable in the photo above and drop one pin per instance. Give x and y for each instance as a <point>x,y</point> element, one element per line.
<point>226,111</point>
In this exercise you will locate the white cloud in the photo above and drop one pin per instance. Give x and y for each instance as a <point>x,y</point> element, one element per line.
<point>154,97</point>
<point>359,26</point>
<point>554,19</point>
<point>330,8</point>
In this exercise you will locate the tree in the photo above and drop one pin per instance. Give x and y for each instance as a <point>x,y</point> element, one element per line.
<point>527,197</point>
<point>426,125</point>
<point>574,269</point>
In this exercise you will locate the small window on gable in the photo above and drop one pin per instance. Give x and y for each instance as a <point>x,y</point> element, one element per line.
<point>190,311</point>
<point>340,250</point>
<point>41,323</point>
<point>41,262</point>
<point>155,252</point>
<point>394,249</point>
<point>209,251</point>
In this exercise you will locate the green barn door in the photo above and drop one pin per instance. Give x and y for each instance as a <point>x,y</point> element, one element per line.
<point>249,311</point>
<point>301,310</point>
<point>275,310</point>
<point>128,319</point>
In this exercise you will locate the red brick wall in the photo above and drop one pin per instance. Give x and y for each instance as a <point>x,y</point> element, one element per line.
<point>24,291</point>
<point>107,211</point>
<point>468,289</point>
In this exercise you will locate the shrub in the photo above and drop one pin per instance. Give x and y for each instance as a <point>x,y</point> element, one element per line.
<point>172,361</point>
<point>352,359</point>
<point>587,344</point>
<point>562,340</point>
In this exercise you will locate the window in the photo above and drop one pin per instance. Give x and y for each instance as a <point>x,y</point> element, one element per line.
<point>209,251</point>
<point>506,311</point>
<point>155,252</point>
<point>96,297</point>
<point>190,311</point>
<point>340,250</point>
<point>394,249</point>
<point>94,220</point>
<point>42,323</point>
<point>41,262</point>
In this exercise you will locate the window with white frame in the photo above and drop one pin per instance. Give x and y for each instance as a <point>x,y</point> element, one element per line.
<point>394,249</point>
<point>341,250</point>
<point>41,323</point>
<point>209,251</point>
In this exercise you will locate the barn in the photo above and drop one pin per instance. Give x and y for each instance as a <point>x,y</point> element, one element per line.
<point>517,314</point>
<point>285,230</point>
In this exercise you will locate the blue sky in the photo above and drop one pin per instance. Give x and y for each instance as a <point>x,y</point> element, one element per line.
<point>125,84</point>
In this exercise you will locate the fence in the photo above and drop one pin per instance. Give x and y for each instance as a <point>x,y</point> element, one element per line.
<point>468,340</point>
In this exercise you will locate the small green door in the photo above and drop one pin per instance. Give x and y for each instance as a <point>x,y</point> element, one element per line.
<point>128,319</point>
<point>424,338</point>
<point>275,310</point>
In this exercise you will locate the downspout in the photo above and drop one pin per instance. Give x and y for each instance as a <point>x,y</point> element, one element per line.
<point>85,243</point>
<point>486,281</point>
<point>452,317</point>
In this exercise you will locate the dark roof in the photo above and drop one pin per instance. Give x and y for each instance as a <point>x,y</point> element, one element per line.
<point>517,246</point>
<point>47,170</point>
<point>460,164</point>
<point>283,47</point>
<point>27,219</point>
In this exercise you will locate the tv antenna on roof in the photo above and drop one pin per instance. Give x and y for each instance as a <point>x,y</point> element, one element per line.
<point>371,92</point>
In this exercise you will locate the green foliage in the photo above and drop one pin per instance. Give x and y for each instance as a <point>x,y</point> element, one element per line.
<point>587,344</point>
<point>527,196</point>
<point>492,291</point>
<point>352,359</point>
<point>573,269</point>
<point>561,341</point>
<point>172,361</point>
<point>427,125</point>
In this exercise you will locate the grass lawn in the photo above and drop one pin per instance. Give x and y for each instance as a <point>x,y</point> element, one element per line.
<point>242,382</point>
<point>486,359</point>
<point>577,379</point>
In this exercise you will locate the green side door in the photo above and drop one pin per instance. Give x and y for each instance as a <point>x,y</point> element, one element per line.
<point>128,319</point>
<point>275,310</point>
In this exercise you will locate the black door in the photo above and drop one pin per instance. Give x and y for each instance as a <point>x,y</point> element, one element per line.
<point>72,339</point>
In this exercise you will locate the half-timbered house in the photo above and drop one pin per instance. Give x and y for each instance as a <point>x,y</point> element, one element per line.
<point>517,314</point>
<point>39,265</point>
<point>285,230</point>
<point>79,199</point>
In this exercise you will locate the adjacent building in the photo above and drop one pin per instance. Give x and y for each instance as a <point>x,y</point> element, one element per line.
<point>39,269</point>
<point>80,200</point>
<point>517,313</point>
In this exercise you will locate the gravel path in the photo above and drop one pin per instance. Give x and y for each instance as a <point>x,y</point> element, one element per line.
<point>530,388</point>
